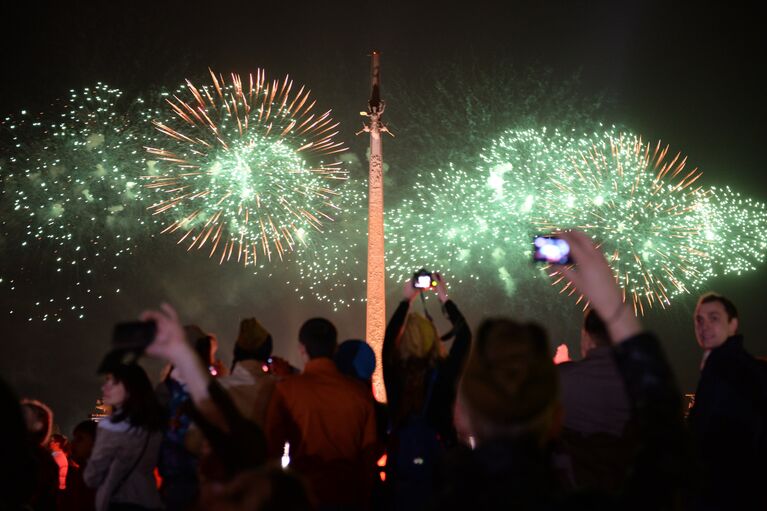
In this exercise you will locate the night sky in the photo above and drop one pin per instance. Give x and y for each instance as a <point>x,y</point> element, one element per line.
<point>674,71</point>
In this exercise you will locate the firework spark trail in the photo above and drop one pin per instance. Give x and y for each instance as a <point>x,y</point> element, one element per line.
<point>242,174</point>
<point>444,225</point>
<point>477,224</point>
<point>736,229</point>
<point>234,179</point>
<point>333,268</point>
<point>645,207</point>
<point>663,233</point>
<point>69,183</point>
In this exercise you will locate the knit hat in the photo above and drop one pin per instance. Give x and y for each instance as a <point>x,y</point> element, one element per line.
<point>355,358</point>
<point>509,379</point>
<point>253,341</point>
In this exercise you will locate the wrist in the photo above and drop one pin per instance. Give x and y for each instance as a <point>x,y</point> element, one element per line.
<point>622,324</point>
<point>180,354</point>
<point>616,314</point>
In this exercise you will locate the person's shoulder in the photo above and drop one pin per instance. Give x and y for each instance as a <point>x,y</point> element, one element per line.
<point>350,386</point>
<point>288,384</point>
<point>108,425</point>
<point>570,368</point>
<point>729,355</point>
<point>362,394</point>
<point>358,388</point>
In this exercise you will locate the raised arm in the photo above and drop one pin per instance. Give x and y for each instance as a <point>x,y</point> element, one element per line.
<point>393,332</point>
<point>461,332</point>
<point>170,344</point>
<point>660,462</point>
<point>593,277</point>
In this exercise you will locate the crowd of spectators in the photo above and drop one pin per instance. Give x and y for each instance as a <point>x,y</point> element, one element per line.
<point>474,419</point>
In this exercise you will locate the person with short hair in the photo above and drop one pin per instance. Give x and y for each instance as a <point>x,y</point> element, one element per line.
<point>596,411</point>
<point>729,418</point>
<point>83,439</point>
<point>77,496</point>
<point>328,421</point>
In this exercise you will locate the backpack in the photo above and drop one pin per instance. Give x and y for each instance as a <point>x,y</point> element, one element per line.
<point>413,451</point>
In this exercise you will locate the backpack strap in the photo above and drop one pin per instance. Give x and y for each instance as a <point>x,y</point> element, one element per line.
<point>133,467</point>
<point>429,390</point>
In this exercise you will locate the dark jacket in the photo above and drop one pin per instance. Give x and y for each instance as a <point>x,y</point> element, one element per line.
<point>439,413</point>
<point>729,427</point>
<point>593,394</point>
<point>242,447</point>
<point>420,430</point>
<point>514,473</point>
<point>597,411</point>
<point>176,465</point>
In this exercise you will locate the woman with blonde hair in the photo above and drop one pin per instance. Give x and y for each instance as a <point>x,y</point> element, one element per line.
<point>420,379</point>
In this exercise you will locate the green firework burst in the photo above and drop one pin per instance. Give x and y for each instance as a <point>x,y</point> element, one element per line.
<point>70,181</point>
<point>241,171</point>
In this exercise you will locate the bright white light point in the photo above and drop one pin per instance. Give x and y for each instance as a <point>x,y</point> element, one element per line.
<point>285,461</point>
<point>528,204</point>
<point>495,181</point>
<point>599,200</point>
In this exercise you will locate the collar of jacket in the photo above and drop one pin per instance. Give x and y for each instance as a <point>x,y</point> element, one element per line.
<point>512,455</point>
<point>250,367</point>
<point>732,343</point>
<point>320,365</point>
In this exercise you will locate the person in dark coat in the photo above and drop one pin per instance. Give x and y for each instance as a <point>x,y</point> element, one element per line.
<point>77,496</point>
<point>21,470</point>
<point>729,418</point>
<point>596,411</point>
<point>39,421</point>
